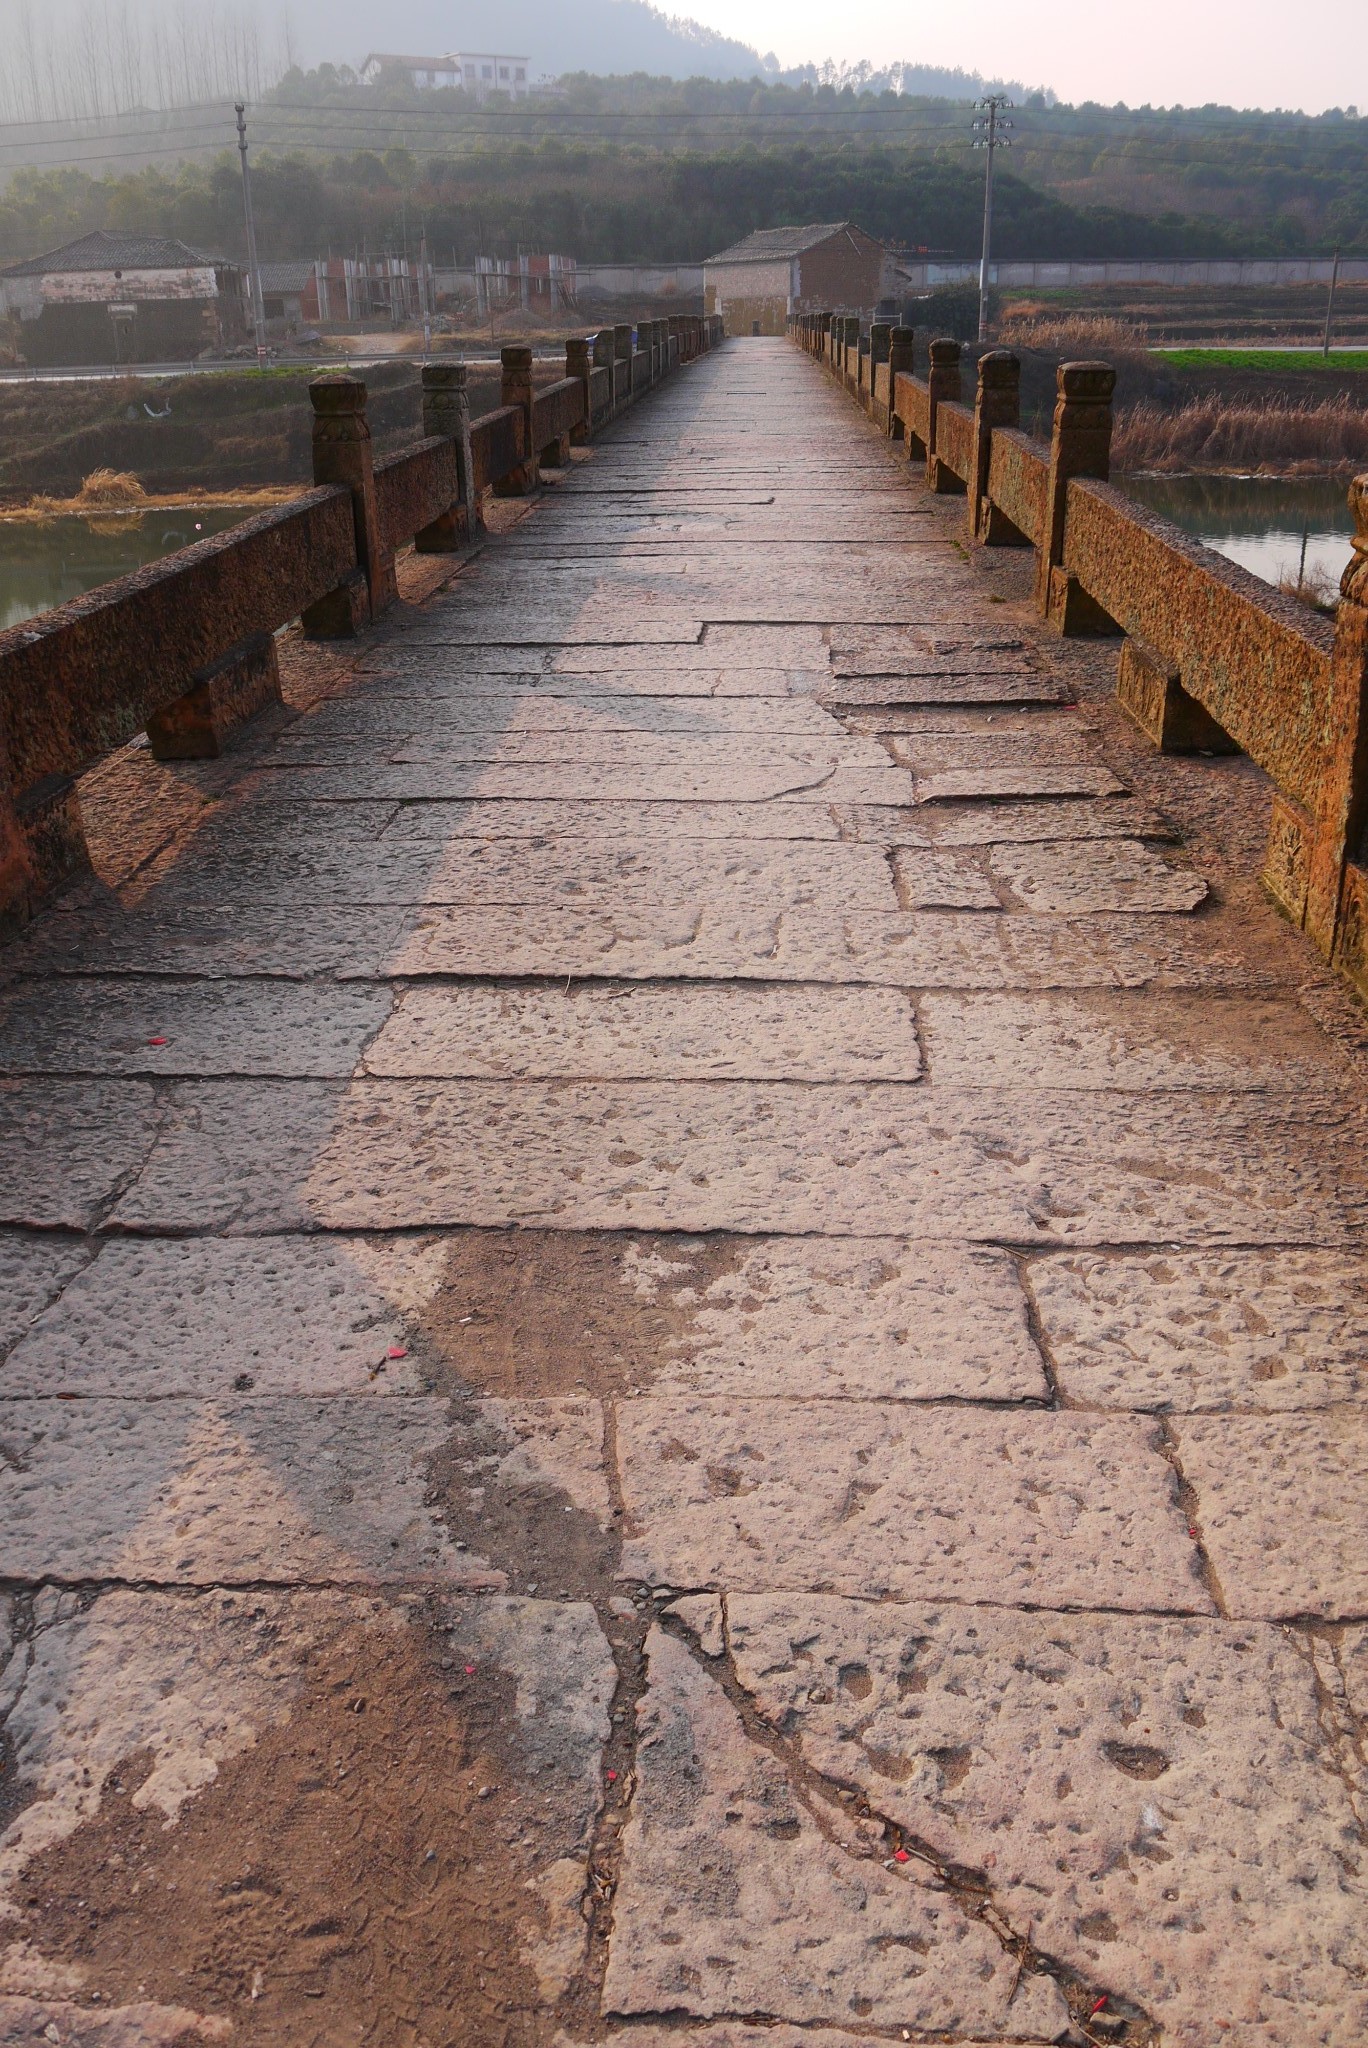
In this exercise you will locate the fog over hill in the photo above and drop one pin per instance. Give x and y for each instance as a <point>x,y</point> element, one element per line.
<point>600,36</point>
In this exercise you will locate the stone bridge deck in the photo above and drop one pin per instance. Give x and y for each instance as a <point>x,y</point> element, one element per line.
<point>686,1326</point>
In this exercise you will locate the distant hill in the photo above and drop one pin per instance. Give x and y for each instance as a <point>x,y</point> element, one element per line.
<point>607,37</point>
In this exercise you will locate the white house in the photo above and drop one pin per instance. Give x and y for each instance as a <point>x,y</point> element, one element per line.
<point>478,72</point>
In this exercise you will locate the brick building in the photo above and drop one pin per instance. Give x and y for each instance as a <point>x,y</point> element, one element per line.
<point>758,282</point>
<point>113,298</point>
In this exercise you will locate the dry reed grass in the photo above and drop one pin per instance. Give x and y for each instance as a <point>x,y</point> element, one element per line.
<point>1074,335</point>
<point>1274,436</point>
<point>107,489</point>
<point>1315,589</point>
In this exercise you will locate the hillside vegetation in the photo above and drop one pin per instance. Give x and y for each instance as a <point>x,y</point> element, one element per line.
<point>648,169</point>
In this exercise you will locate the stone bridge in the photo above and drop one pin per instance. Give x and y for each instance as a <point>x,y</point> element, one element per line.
<point>685,1321</point>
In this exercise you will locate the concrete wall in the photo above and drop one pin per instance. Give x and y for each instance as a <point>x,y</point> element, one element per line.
<point>1039,275</point>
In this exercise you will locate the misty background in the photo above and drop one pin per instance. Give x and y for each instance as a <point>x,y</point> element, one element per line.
<point>70,60</point>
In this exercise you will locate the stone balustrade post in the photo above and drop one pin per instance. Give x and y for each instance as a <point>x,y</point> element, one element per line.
<point>579,365</point>
<point>1315,868</point>
<point>622,365</point>
<point>880,335</point>
<point>901,359</point>
<point>850,368</point>
<point>942,383</point>
<point>516,361</point>
<point>446,414</point>
<point>1080,445</point>
<point>342,455</point>
<point>997,403</point>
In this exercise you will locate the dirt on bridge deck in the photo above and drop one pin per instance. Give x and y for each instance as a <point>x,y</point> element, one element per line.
<point>685,1326</point>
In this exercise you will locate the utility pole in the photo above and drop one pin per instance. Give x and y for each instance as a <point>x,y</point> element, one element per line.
<point>254,268</point>
<point>991,130</point>
<point>1330,308</point>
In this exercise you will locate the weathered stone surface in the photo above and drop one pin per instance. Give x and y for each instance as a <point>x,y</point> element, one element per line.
<point>1117,817</point>
<point>1282,1504</point>
<point>26,2020</point>
<point>1030,779</point>
<point>1155,1798</point>
<point>1274,1328</point>
<point>1103,875</point>
<point>33,1272</point>
<point>201,1316</point>
<point>112,1027</point>
<point>821,1317</point>
<point>725,876</point>
<point>67,1147</point>
<point>731,1155</point>
<point>634,1031</point>
<point>1047,741</point>
<point>942,881</point>
<point>904,1503</point>
<point>277,1490</point>
<point>176,1689</point>
<point>655,824</point>
<point>732,1898</point>
<point>1122,1041</point>
<point>213,940</point>
<point>511,719</point>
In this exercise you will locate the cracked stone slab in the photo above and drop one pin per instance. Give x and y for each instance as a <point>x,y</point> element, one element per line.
<point>192,1492</point>
<point>946,685</point>
<point>828,1318</point>
<point>1123,1041</point>
<point>68,1147</point>
<point>638,1031</point>
<point>1275,1328</point>
<point>1102,875</point>
<point>287,942</point>
<point>1156,1799</point>
<point>1117,817</point>
<point>187,1686</point>
<point>37,2021</point>
<point>102,1027</point>
<point>1049,741</point>
<point>560,874</point>
<point>33,1273</point>
<point>730,1155</point>
<point>514,717</point>
<point>657,824</point>
<point>1029,779</point>
<point>152,1317</point>
<point>695,778</point>
<point>1282,1503</point>
<point>927,880</point>
<point>734,1898</point>
<point>904,1503</point>
<point>729,2034</point>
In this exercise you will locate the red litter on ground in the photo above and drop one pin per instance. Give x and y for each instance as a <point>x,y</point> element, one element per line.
<point>1098,2007</point>
<point>901,1856</point>
<point>612,1777</point>
<point>470,1670</point>
<point>396,1351</point>
<point>156,1041</point>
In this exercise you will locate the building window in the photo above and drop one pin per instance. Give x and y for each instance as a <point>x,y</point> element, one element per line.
<point>486,71</point>
<point>520,75</point>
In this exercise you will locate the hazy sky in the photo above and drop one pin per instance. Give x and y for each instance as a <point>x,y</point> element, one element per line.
<point>1240,52</point>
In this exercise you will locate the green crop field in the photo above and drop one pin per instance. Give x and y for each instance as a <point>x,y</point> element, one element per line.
<point>1277,360</point>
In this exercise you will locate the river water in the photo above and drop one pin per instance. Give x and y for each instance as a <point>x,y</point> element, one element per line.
<point>1270,525</point>
<point>1273,526</point>
<point>44,562</point>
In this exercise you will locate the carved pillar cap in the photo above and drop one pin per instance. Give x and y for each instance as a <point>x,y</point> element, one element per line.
<point>577,349</point>
<point>515,355</point>
<point>999,366</point>
<point>337,395</point>
<point>1354,582</point>
<point>444,376</point>
<point>944,353</point>
<point>1093,383</point>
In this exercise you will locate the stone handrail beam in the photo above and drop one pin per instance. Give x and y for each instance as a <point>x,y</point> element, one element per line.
<point>1212,658</point>
<point>184,650</point>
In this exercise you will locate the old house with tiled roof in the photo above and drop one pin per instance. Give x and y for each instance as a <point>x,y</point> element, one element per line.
<point>758,282</point>
<point>120,298</point>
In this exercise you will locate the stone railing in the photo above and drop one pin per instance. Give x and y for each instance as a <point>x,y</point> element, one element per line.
<point>1213,659</point>
<point>184,650</point>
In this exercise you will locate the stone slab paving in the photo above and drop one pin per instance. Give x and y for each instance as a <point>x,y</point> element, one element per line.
<point>682,1328</point>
